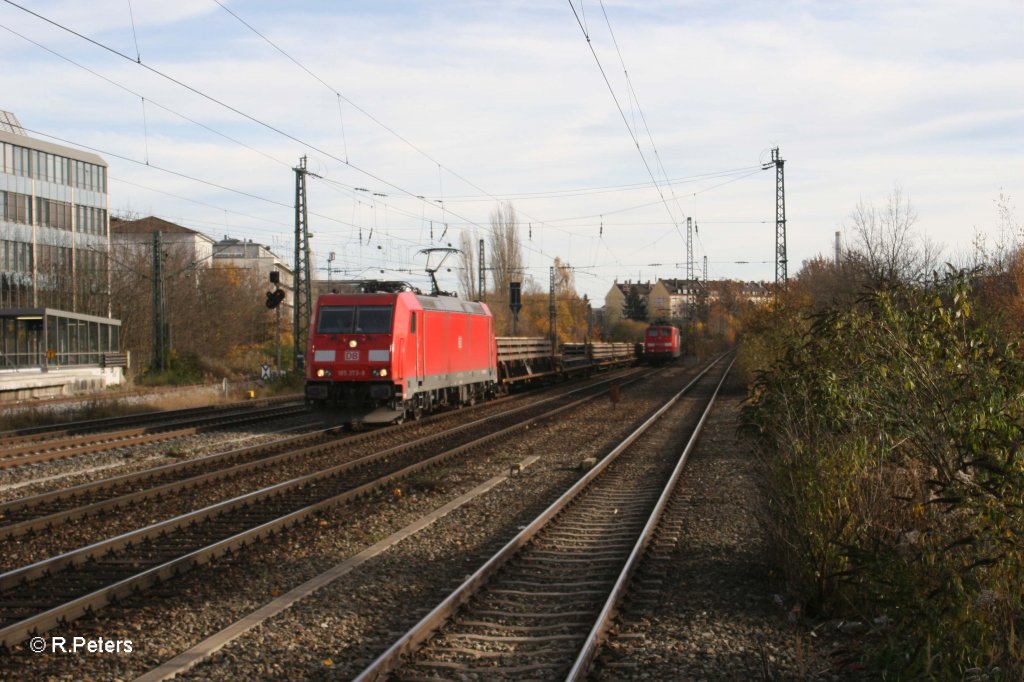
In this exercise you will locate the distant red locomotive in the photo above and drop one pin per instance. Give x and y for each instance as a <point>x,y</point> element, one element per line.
<point>388,354</point>
<point>662,343</point>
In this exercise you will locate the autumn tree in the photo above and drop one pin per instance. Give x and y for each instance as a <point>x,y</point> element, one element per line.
<point>1000,272</point>
<point>212,312</point>
<point>571,310</point>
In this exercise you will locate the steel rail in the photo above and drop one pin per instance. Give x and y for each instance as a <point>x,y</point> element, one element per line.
<point>30,433</point>
<point>51,450</point>
<point>22,629</point>
<point>271,454</point>
<point>393,657</point>
<point>255,458</point>
<point>581,666</point>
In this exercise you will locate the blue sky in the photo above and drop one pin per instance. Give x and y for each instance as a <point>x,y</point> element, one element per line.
<point>486,102</point>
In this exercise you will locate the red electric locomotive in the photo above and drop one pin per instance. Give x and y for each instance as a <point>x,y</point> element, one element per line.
<point>383,355</point>
<point>662,343</point>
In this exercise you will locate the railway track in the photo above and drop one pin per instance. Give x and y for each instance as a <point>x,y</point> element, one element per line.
<point>65,429</point>
<point>90,577</point>
<point>540,607</point>
<point>32,450</point>
<point>35,513</point>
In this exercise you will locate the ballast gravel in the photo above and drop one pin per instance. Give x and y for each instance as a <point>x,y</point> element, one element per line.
<point>705,606</point>
<point>337,631</point>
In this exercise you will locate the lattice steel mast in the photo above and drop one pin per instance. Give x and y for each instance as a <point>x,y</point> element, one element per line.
<point>780,218</point>
<point>689,249</point>
<point>303,290</point>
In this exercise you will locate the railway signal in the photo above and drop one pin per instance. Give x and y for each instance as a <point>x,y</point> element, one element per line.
<point>274,298</point>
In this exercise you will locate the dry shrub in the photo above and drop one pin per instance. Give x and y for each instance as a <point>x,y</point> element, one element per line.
<point>890,435</point>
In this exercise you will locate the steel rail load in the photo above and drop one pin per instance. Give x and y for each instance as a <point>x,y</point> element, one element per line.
<point>389,352</point>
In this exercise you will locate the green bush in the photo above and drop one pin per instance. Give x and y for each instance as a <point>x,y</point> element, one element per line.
<point>891,436</point>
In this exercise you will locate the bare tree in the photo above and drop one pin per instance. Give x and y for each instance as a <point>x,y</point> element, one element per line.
<point>885,243</point>
<point>506,252</point>
<point>468,265</point>
<point>1009,238</point>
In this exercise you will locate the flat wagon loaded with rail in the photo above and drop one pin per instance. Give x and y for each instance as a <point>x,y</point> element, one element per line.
<point>388,352</point>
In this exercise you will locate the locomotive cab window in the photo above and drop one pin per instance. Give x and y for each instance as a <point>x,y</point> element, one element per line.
<point>666,332</point>
<point>373,319</point>
<point>347,319</point>
<point>336,319</point>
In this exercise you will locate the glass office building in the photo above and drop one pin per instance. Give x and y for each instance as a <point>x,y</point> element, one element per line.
<point>54,242</point>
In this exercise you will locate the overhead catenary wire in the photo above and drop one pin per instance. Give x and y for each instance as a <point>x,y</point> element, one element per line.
<point>183,176</point>
<point>211,98</point>
<point>643,118</point>
<point>601,189</point>
<point>241,113</point>
<point>145,128</point>
<point>135,35</point>
<point>150,100</point>
<point>622,113</point>
<point>395,208</point>
<point>441,167</point>
<point>179,174</point>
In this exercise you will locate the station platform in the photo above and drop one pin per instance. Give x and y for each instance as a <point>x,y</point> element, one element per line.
<point>28,383</point>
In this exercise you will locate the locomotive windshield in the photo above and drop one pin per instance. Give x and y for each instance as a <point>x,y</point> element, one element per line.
<point>348,319</point>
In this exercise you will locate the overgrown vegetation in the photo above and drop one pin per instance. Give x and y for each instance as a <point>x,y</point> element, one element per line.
<point>40,416</point>
<point>890,421</point>
<point>217,313</point>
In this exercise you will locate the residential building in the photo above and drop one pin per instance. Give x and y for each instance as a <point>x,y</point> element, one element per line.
<point>615,299</point>
<point>132,240</point>
<point>248,255</point>
<point>675,299</point>
<point>758,293</point>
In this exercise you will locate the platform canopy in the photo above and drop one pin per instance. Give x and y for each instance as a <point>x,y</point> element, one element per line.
<point>49,338</point>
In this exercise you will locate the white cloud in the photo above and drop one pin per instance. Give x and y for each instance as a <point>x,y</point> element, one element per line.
<point>858,96</point>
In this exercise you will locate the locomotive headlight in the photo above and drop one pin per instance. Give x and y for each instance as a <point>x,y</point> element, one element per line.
<point>323,372</point>
<point>352,343</point>
<point>383,372</point>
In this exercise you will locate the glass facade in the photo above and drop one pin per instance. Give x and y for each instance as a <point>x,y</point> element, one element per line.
<point>53,338</point>
<point>55,228</point>
<point>61,170</point>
